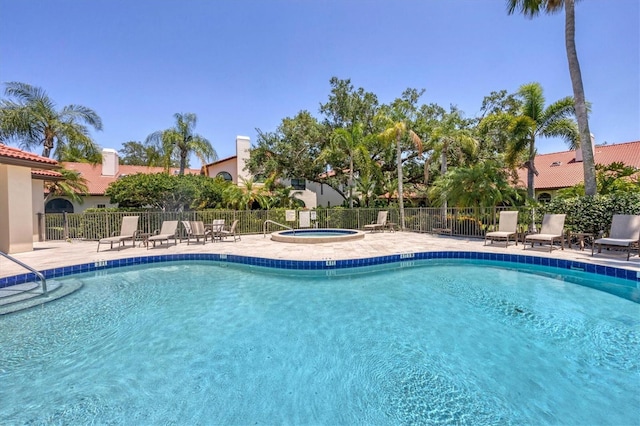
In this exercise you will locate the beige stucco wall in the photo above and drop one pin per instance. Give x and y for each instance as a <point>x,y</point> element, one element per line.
<point>37,201</point>
<point>16,223</point>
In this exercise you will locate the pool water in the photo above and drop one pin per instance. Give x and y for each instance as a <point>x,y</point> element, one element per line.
<point>213,343</point>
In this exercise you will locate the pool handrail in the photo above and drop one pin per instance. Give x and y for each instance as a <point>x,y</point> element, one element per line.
<point>43,280</point>
<point>264,227</point>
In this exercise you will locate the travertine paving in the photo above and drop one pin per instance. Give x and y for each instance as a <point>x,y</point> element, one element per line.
<point>52,254</point>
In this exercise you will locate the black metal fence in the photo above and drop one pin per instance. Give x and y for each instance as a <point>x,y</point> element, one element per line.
<point>467,222</point>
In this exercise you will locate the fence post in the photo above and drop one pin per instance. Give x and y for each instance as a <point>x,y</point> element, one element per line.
<point>41,233</point>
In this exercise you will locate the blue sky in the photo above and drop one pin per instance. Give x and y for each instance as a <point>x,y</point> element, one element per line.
<point>247,64</point>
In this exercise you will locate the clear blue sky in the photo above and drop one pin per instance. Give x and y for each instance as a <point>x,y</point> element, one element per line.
<point>247,64</point>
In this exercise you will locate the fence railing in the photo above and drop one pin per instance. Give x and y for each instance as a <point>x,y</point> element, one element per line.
<point>468,222</point>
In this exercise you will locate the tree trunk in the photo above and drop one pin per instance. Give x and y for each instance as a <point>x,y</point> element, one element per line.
<point>588,161</point>
<point>400,190</point>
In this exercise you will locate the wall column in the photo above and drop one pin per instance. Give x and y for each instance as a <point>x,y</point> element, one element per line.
<point>16,223</point>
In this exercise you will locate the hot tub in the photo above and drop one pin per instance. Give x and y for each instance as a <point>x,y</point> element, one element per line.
<point>315,236</point>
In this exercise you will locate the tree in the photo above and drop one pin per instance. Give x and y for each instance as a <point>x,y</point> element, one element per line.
<point>159,191</point>
<point>31,119</point>
<point>532,8</point>
<point>72,186</point>
<point>181,141</point>
<point>135,153</point>
<point>484,184</point>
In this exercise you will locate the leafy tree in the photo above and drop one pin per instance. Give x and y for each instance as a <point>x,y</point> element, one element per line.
<point>292,150</point>
<point>30,117</point>
<point>72,186</point>
<point>181,141</point>
<point>136,153</point>
<point>532,8</point>
<point>158,191</point>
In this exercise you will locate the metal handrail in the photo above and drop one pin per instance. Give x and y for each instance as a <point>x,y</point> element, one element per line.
<point>45,293</point>
<point>264,227</point>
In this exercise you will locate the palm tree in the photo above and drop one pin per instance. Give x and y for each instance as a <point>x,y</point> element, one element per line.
<point>396,131</point>
<point>532,8</point>
<point>72,186</point>
<point>351,143</point>
<point>182,141</point>
<point>534,120</point>
<point>32,119</point>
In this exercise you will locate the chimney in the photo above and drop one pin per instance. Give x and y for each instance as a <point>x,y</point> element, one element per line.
<point>243,145</point>
<point>110,163</point>
<point>579,150</point>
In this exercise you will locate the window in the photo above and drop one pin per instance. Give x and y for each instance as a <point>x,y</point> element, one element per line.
<point>298,184</point>
<point>58,205</point>
<point>101,206</point>
<point>225,175</point>
<point>544,197</point>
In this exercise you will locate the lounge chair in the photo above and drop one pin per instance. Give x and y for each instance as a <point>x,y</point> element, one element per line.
<point>379,224</point>
<point>128,231</point>
<point>624,234</point>
<point>197,231</point>
<point>168,230</point>
<point>507,228</point>
<point>552,230</point>
<point>231,232</point>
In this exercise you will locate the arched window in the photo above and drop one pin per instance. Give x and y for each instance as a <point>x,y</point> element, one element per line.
<point>544,197</point>
<point>58,205</point>
<point>225,175</point>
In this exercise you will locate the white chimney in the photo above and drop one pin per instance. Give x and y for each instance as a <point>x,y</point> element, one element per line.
<point>579,150</point>
<point>243,145</point>
<point>110,163</point>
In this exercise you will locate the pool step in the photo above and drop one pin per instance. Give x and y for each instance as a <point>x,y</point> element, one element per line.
<point>27,295</point>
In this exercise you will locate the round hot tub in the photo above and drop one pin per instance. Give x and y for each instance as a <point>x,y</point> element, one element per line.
<point>315,236</point>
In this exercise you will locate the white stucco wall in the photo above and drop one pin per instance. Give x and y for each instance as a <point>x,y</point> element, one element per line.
<point>16,223</point>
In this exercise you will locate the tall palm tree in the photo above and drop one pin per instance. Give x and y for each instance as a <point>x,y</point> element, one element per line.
<point>534,120</point>
<point>182,141</point>
<point>532,8</point>
<point>396,131</point>
<point>31,119</point>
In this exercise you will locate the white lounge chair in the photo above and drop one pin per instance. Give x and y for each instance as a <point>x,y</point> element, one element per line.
<point>168,230</point>
<point>507,228</point>
<point>379,224</point>
<point>128,231</point>
<point>216,228</point>
<point>552,230</point>
<point>624,234</point>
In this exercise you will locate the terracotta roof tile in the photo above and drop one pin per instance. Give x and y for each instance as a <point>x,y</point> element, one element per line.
<point>12,153</point>
<point>98,183</point>
<point>560,170</point>
<point>46,174</point>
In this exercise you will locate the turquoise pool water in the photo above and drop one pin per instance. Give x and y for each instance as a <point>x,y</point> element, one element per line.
<point>428,343</point>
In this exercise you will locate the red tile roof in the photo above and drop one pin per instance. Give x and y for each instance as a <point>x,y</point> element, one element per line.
<point>560,170</point>
<point>9,154</point>
<point>97,183</point>
<point>46,175</point>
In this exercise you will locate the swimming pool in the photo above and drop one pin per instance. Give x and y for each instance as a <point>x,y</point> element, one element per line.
<point>316,236</point>
<point>412,342</point>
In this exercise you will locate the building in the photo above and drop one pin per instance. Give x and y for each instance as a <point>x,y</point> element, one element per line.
<point>98,178</point>
<point>22,176</point>
<point>564,169</point>
<point>233,169</point>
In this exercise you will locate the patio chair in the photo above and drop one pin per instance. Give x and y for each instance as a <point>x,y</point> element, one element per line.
<point>168,230</point>
<point>379,224</point>
<point>128,231</point>
<point>624,235</point>
<point>232,232</point>
<point>216,228</point>
<point>552,230</point>
<point>198,231</point>
<point>507,228</point>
